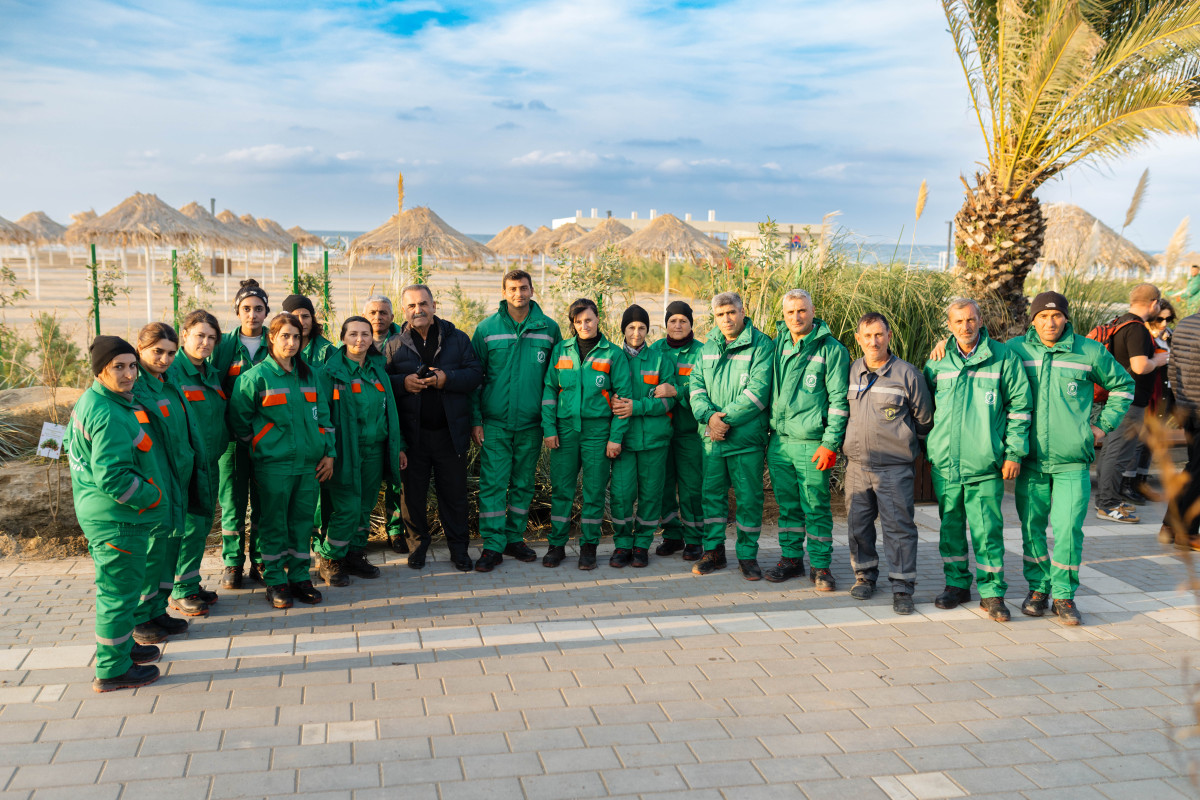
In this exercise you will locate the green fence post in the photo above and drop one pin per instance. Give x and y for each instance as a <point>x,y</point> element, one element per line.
<point>295,268</point>
<point>175,286</point>
<point>326,288</point>
<point>95,291</point>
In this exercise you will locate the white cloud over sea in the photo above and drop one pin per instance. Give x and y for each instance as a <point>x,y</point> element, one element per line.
<point>512,112</point>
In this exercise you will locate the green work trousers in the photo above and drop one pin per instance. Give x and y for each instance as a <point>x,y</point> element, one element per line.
<point>507,472</point>
<point>975,505</point>
<point>802,492</point>
<point>288,503</point>
<point>1060,498</point>
<point>744,472</point>
<point>119,554</point>
<point>191,553</point>
<point>637,478</point>
<point>579,452</point>
<point>351,506</point>
<point>161,557</point>
<point>683,481</point>
<point>237,490</point>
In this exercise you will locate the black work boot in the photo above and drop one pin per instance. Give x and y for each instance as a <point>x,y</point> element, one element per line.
<point>1129,494</point>
<point>416,559</point>
<point>488,561</point>
<point>640,557</point>
<point>256,573</point>
<point>356,564</point>
<point>232,578</point>
<point>191,606</point>
<point>952,597</point>
<point>1035,604</point>
<point>135,676</point>
<point>620,558</point>
<point>148,633</point>
<point>786,569</point>
<point>669,547</point>
<point>330,570</point>
<point>1067,613</point>
<point>587,556</point>
<point>399,544</point>
<point>171,625</point>
<point>902,603</point>
<point>693,552</point>
<point>208,597</point>
<point>520,551</point>
<point>144,653</point>
<point>996,608</point>
<point>751,571</point>
<point>554,555</point>
<point>279,596</point>
<point>462,562</point>
<point>712,561</point>
<point>305,592</point>
<point>863,589</point>
<point>822,579</point>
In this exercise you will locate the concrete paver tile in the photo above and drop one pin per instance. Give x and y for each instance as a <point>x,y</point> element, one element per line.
<point>431,770</point>
<point>643,780</point>
<point>256,784</point>
<point>576,760</point>
<point>800,769</point>
<point>33,776</point>
<point>555,787</point>
<point>990,779</point>
<point>489,789</point>
<point>176,789</point>
<point>858,765</point>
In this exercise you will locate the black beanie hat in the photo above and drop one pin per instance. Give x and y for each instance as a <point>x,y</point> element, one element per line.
<point>635,313</point>
<point>1049,301</point>
<point>294,301</point>
<point>105,348</point>
<point>678,307</point>
<point>254,290</point>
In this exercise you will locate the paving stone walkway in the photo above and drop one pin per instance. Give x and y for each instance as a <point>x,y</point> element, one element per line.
<point>653,683</point>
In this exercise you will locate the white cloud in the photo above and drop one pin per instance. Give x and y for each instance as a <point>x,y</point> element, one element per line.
<point>266,155</point>
<point>559,158</point>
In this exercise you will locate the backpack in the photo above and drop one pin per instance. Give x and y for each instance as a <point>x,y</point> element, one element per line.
<point>1104,333</point>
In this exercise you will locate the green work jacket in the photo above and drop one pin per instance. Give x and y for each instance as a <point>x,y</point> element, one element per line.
<point>318,351</point>
<point>982,411</point>
<point>1061,378</point>
<point>735,377</point>
<point>650,424</point>
<point>576,388</point>
<point>179,451</point>
<point>685,358</point>
<point>809,381</point>
<point>515,359</point>
<point>230,358</point>
<point>363,411</point>
<point>115,475</point>
<point>207,402</point>
<point>283,417</point>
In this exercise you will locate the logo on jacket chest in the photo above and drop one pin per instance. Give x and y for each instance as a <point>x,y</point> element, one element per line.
<point>990,398</point>
<point>600,381</point>
<point>810,381</point>
<point>890,414</point>
<point>744,379</point>
<point>541,356</point>
<point>1072,388</point>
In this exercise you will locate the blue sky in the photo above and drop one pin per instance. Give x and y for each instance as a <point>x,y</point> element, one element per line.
<point>500,113</point>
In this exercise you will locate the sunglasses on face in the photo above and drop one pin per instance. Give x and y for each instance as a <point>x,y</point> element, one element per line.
<point>1167,319</point>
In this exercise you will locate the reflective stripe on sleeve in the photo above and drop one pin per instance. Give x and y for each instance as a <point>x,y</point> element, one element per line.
<point>133,487</point>
<point>754,399</point>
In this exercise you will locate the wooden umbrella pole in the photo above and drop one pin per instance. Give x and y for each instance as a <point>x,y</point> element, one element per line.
<point>666,281</point>
<point>149,287</point>
<point>37,276</point>
<point>226,265</point>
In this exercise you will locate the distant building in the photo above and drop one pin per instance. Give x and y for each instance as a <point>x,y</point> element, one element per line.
<point>723,231</point>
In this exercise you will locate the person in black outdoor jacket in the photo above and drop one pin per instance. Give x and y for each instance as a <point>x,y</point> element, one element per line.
<point>434,370</point>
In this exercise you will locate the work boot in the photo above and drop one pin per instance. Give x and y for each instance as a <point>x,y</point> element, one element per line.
<point>862,589</point>
<point>669,547</point>
<point>1035,604</point>
<point>279,596</point>
<point>416,559</point>
<point>996,608</point>
<point>231,578</point>
<point>693,552</point>
<point>208,597</point>
<point>751,571</point>
<point>305,592</point>
<point>640,557</point>
<point>172,626</point>
<point>191,606</point>
<point>256,573</point>
<point>554,555</point>
<point>902,603</point>
<point>135,676</point>
<point>462,562</point>
<point>521,552</point>
<point>620,558</point>
<point>822,579</point>
<point>356,564</point>
<point>786,569</point>
<point>144,653</point>
<point>711,561</point>
<point>332,572</point>
<point>1144,489</point>
<point>399,544</point>
<point>1067,613</point>
<point>1129,494</point>
<point>952,597</point>
<point>148,633</point>
<point>489,560</point>
<point>587,556</point>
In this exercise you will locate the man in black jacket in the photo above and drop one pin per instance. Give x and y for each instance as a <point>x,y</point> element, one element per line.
<point>1182,524</point>
<point>434,369</point>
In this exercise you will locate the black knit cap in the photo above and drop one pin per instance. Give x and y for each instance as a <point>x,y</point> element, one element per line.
<point>678,307</point>
<point>635,313</point>
<point>294,301</point>
<point>1049,301</point>
<point>105,348</point>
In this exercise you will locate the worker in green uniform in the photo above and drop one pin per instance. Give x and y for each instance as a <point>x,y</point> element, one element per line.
<point>684,470</point>
<point>587,372</point>
<point>201,388</point>
<point>1190,296</point>
<point>315,349</point>
<point>386,334</point>
<point>638,472</point>
<point>115,488</point>
<point>1054,485</point>
<point>982,410</point>
<point>179,453</point>
<point>809,412</point>
<point>514,346</point>
<point>730,393</point>
<point>279,410</point>
<point>368,447</point>
<point>234,355</point>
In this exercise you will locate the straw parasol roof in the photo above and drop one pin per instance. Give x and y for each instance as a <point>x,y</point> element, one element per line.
<point>1069,232</point>
<point>216,234</point>
<point>305,238</point>
<point>249,235</point>
<point>667,236</point>
<point>276,232</point>
<point>419,227</point>
<point>509,241</point>
<point>266,238</point>
<point>12,233</point>
<point>533,243</point>
<point>43,229</point>
<point>608,232</point>
<point>140,220</point>
<point>549,242</point>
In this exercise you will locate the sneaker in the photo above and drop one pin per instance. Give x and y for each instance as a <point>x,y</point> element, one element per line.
<point>231,578</point>
<point>952,597</point>
<point>587,556</point>
<point>521,552</point>
<point>356,564</point>
<point>693,552</point>
<point>554,555</point>
<point>208,597</point>
<point>862,589</point>
<point>399,544</point>
<point>144,653</point>
<point>1035,604</point>
<point>786,569</point>
<point>751,571</point>
<point>620,558</point>
<point>640,557</point>
<point>669,547</point>
<point>490,559</point>
<point>996,608</point>
<point>305,592</point>
<point>711,561</point>
<point>256,573</point>
<point>1117,514</point>
<point>135,676</point>
<point>1067,613</point>
<point>171,625</point>
<point>191,606</point>
<point>902,603</point>
<point>148,633</point>
<point>331,571</point>
<point>279,596</point>
<point>822,579</point>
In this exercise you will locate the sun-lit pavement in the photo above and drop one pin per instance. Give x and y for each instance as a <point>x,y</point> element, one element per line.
<point>537,683</point>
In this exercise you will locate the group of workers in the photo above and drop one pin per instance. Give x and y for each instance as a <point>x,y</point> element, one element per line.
<point>293,436</point>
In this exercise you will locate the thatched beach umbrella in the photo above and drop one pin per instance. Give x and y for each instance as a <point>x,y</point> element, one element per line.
<point>12,233</point>
<point>282,238</point>
<point>1073,235</point>
<point>544,241</point>
<point>217,235</point>
<point>420,228</point>
<point>250,235</point>
<point>668,237</point>
<point>533,243</point>
<point>608,232</point>
<point>45,231</point>
<point>305,238</point>
<point>510,241</point>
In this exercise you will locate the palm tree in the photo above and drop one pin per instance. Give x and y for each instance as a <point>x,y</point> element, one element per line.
<point>1054,83</point>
